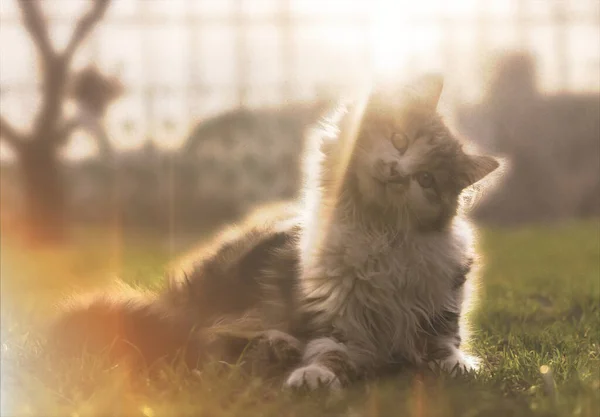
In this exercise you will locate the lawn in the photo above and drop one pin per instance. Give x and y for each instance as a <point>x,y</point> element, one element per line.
<point>537,327</point>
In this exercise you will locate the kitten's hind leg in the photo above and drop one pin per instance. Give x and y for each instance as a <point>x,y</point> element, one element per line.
<point>273,352</point>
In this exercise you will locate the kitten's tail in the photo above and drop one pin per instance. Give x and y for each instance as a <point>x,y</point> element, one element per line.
<point>125,324</point>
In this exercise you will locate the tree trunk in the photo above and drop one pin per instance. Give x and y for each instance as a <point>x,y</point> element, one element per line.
<point>44,192</point>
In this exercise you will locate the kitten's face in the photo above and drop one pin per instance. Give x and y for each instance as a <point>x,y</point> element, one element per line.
<point>406,159</point>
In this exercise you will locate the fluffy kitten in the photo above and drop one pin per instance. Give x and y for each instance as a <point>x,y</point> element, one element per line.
<point>384,249</point>
<point>365,274</point>
<point>236,290</point>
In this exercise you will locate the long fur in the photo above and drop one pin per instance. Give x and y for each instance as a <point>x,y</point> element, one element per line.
<point>384,262</point>
<point>125,323</point>
<point>217,299</point>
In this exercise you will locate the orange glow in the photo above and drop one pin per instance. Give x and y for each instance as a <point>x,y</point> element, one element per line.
<point>418,409</point>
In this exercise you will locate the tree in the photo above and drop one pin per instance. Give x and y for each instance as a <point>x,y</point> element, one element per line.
<point>38,149</point>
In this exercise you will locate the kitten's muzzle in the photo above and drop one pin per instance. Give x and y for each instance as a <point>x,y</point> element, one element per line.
<point>398,184</point>
<point>399,179</point>
<point>391,173</point>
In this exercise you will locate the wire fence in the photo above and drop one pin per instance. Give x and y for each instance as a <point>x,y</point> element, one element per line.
<point>183,61</point>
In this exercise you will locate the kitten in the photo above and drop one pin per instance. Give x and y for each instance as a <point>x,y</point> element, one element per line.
<point>384,249</point>
<point>366,273</point>
<point>232,295</point>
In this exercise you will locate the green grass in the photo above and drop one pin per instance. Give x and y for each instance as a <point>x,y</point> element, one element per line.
<point>539,305</point>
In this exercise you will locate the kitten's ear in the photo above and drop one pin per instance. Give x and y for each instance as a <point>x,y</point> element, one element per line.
<point>476,168</point>
<point>429,89</point>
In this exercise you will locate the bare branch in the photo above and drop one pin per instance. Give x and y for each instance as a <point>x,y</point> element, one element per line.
<point>9,134</point>
<point>65,131</point>
<point>85,25</point>
<point>93,125</point>
<point>36,24</point>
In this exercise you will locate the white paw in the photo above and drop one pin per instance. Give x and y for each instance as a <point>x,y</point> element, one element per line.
<point>313,377</point>
<point>460,362</point>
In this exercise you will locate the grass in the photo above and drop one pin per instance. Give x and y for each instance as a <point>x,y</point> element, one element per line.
<point>539,309</point>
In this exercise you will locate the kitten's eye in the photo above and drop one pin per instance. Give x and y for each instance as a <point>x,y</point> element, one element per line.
<point>400,141</point>
<point>425,179</point>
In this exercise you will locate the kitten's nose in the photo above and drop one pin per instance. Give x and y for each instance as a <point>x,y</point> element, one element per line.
<point>395,173</point>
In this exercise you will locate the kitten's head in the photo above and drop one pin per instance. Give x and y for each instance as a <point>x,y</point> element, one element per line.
<point>406,161</point>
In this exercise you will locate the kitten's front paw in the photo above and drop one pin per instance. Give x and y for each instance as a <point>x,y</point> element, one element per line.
<point>313,377</point>
<point>459,362</point>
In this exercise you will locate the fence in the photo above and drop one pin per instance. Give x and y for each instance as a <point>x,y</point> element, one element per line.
<point>186,60</point>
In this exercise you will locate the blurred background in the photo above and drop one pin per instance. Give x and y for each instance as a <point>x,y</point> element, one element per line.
<point>176,116</point>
